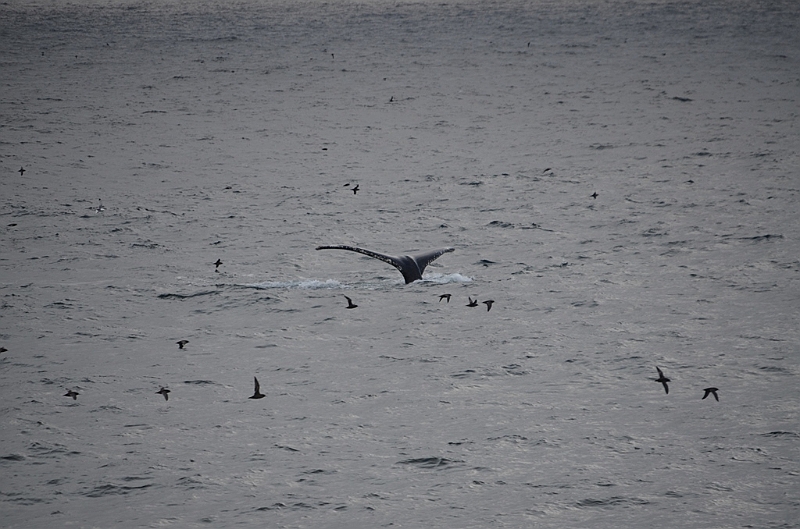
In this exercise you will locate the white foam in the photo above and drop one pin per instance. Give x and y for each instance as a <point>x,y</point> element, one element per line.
<point>309,284</point>
<point>446,278</point>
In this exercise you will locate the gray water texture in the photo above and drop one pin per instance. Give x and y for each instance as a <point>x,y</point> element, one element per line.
<point>158,137</point>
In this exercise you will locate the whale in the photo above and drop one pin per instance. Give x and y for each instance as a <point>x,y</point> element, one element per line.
<point>411,266</point>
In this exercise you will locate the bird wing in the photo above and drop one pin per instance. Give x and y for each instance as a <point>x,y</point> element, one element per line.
<point>660,374</point>
<point>258,386</point>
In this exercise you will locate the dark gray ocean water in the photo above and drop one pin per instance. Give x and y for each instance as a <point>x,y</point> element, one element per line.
<point>158,137</point>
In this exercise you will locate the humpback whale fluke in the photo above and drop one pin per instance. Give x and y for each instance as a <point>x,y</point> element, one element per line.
<point>411,266</point>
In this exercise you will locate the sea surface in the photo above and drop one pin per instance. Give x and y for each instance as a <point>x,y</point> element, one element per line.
<point>159,136</point>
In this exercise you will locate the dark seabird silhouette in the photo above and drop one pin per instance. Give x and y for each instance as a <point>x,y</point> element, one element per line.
<point>594,195</point>
<point>712,391</point>
<point>391,99</point>
<point>548,169</point>
<point>3,349</point>
<point>257,393</point>
<point>21,171</point>
<point>661,378</point>
<point>165,392</point>
<point>216,265</point>
<point>444,296</point>
<point>350,304</point>
<point>411,266</point>
<point>472,303</point>
<point>488,304</point>
<point>73,394</point>
<point>355,190</point>
<point>181,343</point>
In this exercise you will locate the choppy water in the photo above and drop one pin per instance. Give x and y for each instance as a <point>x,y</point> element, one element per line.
<point>229,131</point>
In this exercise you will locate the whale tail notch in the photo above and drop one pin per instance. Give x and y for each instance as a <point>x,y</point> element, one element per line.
<point>411,266</point>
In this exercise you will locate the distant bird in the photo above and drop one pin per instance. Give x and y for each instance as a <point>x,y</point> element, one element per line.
<point>712,391</point>
<point>216,265</point>
<point>163,391</point>
<point>257,393</point>
<point>73,394</point>
<point>548,169</point>
<point>21,171</point>
<point>350,304</point>
<point>471,302</point>
<point>488,304</point>
<point>661,378</point>
<point>355,190</point>
<point>347,184</point>
<point>411,266</point>
<point>444,296</point>
<point>594,195</point>
<point>181,343</point>
<point>391,99</point>
<point>3,349</point>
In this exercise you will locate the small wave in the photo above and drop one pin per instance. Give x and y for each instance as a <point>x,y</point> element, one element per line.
<point>108,490</point>
<point>765,237</point>
<point>612,501</point>
<point>171,295</point>
<point>308,284</point>
<point>446,278</point>
<point>428,462</point>
<point>779,433</point>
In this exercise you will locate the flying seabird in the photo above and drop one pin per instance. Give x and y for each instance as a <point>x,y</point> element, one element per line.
<point>73,394</point>
<point>216,265</point>
<point>350,304</point>
<point>594,195</point>
<point>21,171</point>
<point>411,266</point>
<point>712,391</point>
<point>165,392</point>
<point>661,378</point>
<point>472,303</point>
<point>355,190</point>
<point>3,349</point>
<point>257,394</point>
<point>181,343</point>
<point>444,296</point>
<point>488,304</point>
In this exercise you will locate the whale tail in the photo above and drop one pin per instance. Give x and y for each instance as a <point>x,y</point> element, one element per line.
<point>411,266</point>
